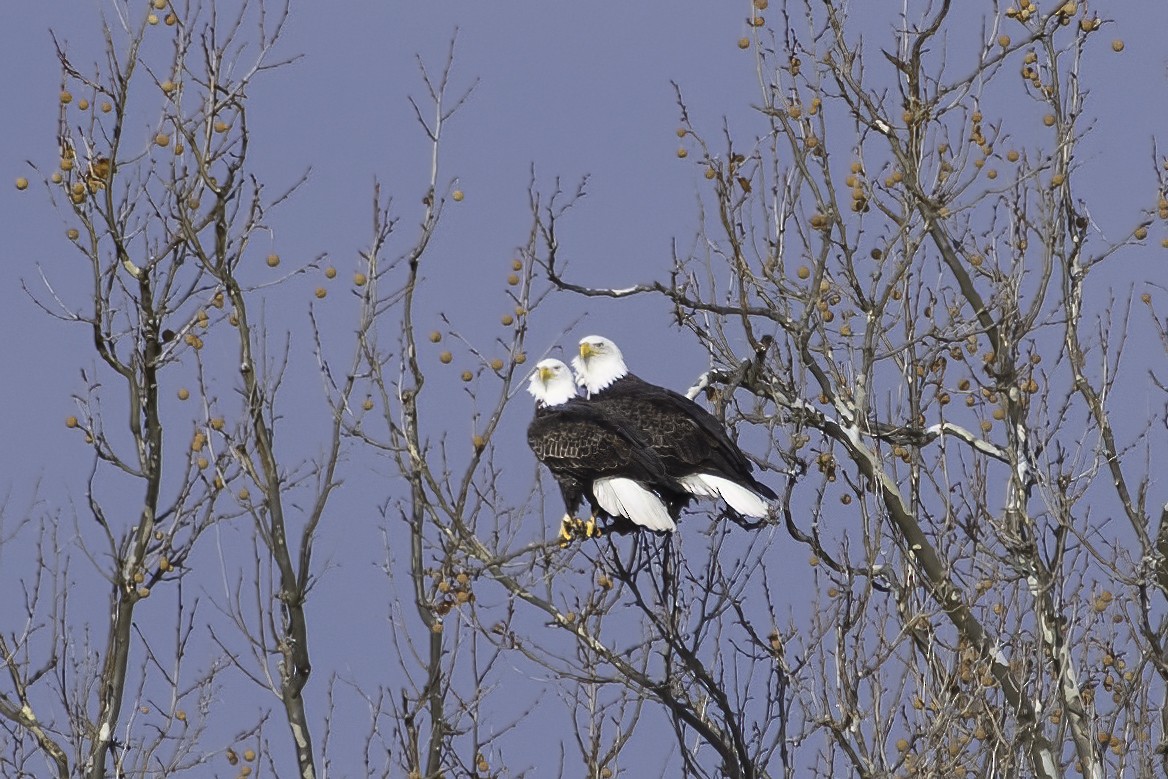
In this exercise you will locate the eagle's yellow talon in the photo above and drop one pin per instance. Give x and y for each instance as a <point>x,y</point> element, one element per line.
<point>566,529</point>
<point>572,529</point>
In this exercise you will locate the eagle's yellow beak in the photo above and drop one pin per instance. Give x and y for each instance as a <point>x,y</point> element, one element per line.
<point>545,374</point>
<point>586,350</point>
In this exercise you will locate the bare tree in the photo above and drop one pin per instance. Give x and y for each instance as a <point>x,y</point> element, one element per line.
<point>164,220</point>
<point>904,298</point>
<point>932,345</point>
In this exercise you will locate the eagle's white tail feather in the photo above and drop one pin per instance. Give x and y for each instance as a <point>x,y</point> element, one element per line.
<point>739,498</point>
<point>626,498</point>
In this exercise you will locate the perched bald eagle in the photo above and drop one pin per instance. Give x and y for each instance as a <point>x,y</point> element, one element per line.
<point>596,455</point>
<point>692,444</point>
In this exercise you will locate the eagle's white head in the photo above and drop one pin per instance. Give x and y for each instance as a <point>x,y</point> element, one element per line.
<point>599,364</point>
<point>551,384</point>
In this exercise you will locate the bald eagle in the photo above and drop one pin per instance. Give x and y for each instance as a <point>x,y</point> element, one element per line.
<point>692,444</point>
<point>596,455</point>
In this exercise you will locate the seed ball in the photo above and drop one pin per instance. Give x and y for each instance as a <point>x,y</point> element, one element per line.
<point>1140,233</point>
<point>445,358</point>
<point>184,393</point>
<point>83,104</point>
<point>516,264</point>
<point>22,183</point>
<point>70,422</point>
<point>367,404</point>
<point>512,279</point>
<point>744,43</point>
<point>66,96</point>
<point>359,279</point>
<point>56,178</point>
<point>273,260</point>
<point>496,364</point>
<point>162,139</point>
<point>804,272</point>
<point>435,337</point>
<point>249,755</point>
<point>507,320</point>
<point>152,18</point>
<point>220,126</point>
<point>330,273</point>
<point>520,358</point>
<point>167,86</point>
<point>458,196</point>
<point>682,153</point>
<point>106,107</point>
<point>321,292</point>
<point>1117,45</point>
<point>1048,120</point>
<point>467,375</point>
<point>1003,41</point>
